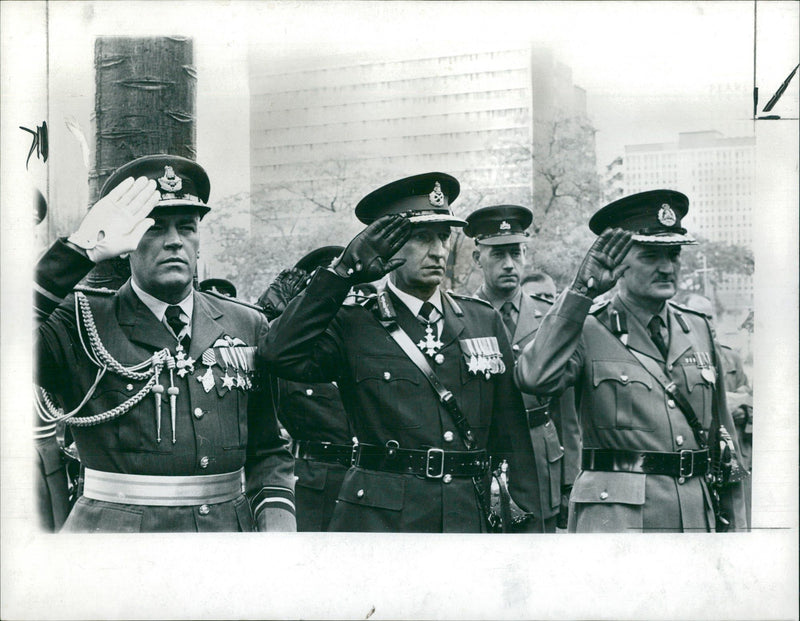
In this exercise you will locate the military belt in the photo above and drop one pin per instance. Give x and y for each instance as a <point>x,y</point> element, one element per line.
<point>686,463</point>
<point>537,416</point>
<point>163,491</point>
<point>325,452</point>
<point>432,463</point>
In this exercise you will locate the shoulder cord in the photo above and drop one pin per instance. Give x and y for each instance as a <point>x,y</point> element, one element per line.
<point>101,357</point>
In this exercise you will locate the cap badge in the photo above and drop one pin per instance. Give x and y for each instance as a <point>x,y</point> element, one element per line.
<point>505,226</point>
<point>436,198</point>
<point>170,182</point>
<point>666,216</point>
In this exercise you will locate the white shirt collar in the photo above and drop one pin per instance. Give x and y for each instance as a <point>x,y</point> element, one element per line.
<point>158,307</point>
<point>415,304</point>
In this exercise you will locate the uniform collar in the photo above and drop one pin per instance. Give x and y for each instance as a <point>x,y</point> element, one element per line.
<point>497,303</point>
<point>158,307</point>
<point>415,304</point>
<point>643,315</point>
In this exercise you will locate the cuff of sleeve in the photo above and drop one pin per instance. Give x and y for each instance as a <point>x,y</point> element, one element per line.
<point>328,284</point>
<point>272,498</point>
<point>60,269</point>
<point>574,306</point>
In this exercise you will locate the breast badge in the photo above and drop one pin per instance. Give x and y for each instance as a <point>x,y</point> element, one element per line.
<point>483,356</point>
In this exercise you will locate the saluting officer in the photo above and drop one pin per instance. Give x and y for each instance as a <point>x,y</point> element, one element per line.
<point>658,442</point>
<point>158,382</point>
<point>501,239</point>
<point>421,461</point>
<point>313,414</point>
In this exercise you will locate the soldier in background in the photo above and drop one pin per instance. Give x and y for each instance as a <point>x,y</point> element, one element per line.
<point>501,238</point>
<point>220,286</point>
<point>541,285</point>
<point>312,413</point>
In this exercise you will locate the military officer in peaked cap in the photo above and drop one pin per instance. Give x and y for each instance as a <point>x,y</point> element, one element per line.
<point>659,450</point>
<point>158,382</point>
<point>423,442</point>
<point>501,238</point>
<point>313,414</point>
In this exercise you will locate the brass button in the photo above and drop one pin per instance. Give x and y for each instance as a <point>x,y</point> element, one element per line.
<point>204,510</point>
<point>669,367</point>
<point>448,436</point>
<point>309,391</point>
<point>447,478</point>
<point>129,387</point>
<point>681,480</point>
<point>360,493</point>
<point>624,378</point>
<point>387,376</point>
<point>603,495</point>
<point>198,413</point>
<point>204,461</point>
<point>679,440</point>
<point>439,359</point>
<point>670,403</point>
<point>515,347</point>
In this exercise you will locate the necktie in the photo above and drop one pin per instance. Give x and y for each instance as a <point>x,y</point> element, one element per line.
<point>174,318</point>
<point>508,319</point>
<point>654,328</point>
<point>425,312</point>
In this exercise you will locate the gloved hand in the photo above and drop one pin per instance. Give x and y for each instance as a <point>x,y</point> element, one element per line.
<point>289,283</point>
<point>602,267</point>
<point>368,256</point>
<point>116,223</point>
<point>563,512</point>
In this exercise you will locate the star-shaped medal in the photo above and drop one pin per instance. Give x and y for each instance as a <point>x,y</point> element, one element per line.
<point>473,366</point>
<point>430,344</point>
<point>240,383</point>
<point>227,381</point>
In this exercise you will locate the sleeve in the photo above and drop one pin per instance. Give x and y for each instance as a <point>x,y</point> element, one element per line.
<point>565,418</point>
<point>269,467</point>
<point>303,343</point>
<point>553,359</point>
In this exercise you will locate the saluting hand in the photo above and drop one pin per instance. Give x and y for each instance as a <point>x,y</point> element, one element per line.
<point>602,266</point>
<point>117,222</point>
<point>368,256</point>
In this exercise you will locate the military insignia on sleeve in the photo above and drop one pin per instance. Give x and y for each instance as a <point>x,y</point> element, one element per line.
<point>666,216</point>
<point>436,198</point>
<point>482,356</point>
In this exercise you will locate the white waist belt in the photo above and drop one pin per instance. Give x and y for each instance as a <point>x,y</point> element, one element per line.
<point>163,491</point>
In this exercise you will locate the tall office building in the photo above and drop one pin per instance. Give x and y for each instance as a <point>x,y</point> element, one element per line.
<point>718,176</point>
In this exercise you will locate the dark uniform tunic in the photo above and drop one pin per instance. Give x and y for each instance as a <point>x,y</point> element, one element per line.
<point>552,471</point>
<point>389,399</point>
<point>218,431</point>
<point>621,406</point>
<point>314,413</point>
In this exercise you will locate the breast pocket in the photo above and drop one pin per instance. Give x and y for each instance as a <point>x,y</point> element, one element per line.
<point>699,392</point>
<point>474,389</point>
<point>388,381</point>
<point>619,385</point>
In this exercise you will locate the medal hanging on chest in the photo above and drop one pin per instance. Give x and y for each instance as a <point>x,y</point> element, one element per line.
<point>431,344</point>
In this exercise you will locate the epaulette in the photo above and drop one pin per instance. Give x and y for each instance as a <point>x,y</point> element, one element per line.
<point>686,309</point>
<point>226,298</point>
<point>541,299</point>
<point>598,307</point>
<point>94,290</point>
<point>471,298</point>
<point>360,300</point>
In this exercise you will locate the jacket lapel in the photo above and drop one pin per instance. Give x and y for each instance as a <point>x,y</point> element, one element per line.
<point>453,324</point>
<point>205,327</point>
<point>140,324</point>
<point>528,322</point>
<point>679,341</point>
<point>638,337</point>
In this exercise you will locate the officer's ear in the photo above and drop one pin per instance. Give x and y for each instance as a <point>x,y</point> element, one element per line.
<point>476,256</point>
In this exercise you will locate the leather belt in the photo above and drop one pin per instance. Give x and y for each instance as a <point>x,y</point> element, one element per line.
<point>326,452</point>
<point>537,416</point>
<point>432,463</point>
<point>163,491</point>
<point>686,463</point>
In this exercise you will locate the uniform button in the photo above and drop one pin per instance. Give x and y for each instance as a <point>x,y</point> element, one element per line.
<point>360,493</point>
<point>624,378</point>
<point>669,367</point>
<point>447,478</point>
<point>448,436</point>
<point>679,440</point>
<point>198,413</point>
<point>129,387</point>
<point>670,403</point>
<point>309,391</point>
<point>204,510</point>
<point>681,480</point>
<point>603,495</point>
<point>204,461</point>
<point>387,376</point>
<point>515,347</point>
<point>439,359</point>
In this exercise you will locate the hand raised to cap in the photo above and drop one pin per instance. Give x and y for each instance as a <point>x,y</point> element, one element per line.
<point>602,266</point>
<point>368,256</point>
<point>116,223</point>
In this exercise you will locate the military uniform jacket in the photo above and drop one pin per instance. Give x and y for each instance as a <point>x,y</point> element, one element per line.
<point>389,399</point>
<point>621,406</point>
<point>552,471</point>
<point>314,412</point>
<point>218,431</point>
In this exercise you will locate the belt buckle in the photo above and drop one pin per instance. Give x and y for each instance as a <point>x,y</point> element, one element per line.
<point>681,463</point>
<point>428,474</point>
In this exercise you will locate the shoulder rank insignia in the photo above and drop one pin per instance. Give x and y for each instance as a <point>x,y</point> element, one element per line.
<point>482,355</point>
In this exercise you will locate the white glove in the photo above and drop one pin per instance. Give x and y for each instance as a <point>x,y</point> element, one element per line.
<point>117,222</point>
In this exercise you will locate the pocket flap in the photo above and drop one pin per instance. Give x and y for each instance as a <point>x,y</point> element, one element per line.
<point>310,475</point>
<point>387,369</point>
<point>554,449</point>
<point>593,486</point>
<point>381,490</point>
<point>620,371</point>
